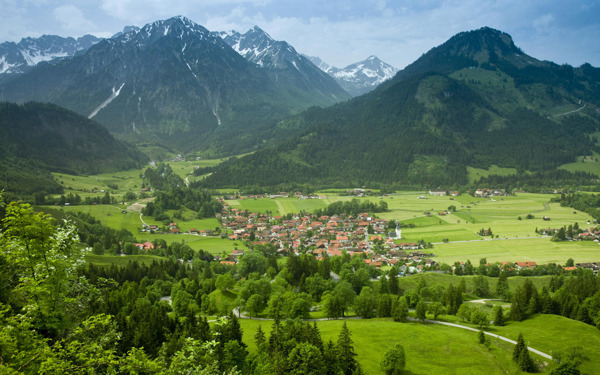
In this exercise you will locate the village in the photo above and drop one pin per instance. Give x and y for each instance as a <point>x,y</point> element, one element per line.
<point>377,241</point>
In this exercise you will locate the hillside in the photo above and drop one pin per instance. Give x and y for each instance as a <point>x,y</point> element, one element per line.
<point>173,83</point>
<point>477,100</point>
<point>37,138</point>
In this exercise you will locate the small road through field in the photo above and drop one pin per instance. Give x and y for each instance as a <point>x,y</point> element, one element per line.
<point>237,312</point>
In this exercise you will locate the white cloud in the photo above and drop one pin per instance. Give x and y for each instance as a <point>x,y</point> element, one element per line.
<point>73,20</point>
<point>150,10</point>
<point>543,22</point>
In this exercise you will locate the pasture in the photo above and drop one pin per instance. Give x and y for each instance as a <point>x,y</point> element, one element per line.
<point>112,216</point>
<point>434,349</point>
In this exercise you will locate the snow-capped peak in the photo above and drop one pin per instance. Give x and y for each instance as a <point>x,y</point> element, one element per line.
<point>361,77</point>
<point>19,57</point>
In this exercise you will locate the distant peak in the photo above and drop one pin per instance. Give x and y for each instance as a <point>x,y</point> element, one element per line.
<point>184,20</point>
<point>258,31</point>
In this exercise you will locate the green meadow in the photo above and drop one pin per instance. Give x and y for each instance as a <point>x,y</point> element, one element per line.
<point>107,260</point>
<point>474,174</point>
<point>587,164</point>
<point>429,348</point>
<point>113,217</point>
<point>540,250</point>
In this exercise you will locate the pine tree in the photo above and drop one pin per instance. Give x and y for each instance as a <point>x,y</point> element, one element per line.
<point>259,337</point>
<point>521,356</point>
<point>519,347</point>
<point>345,352</point>
<point>502,288</point>
<point>393,280</point>
<point>421,311</point>
<point>498,316</point>
<point>481,337</point>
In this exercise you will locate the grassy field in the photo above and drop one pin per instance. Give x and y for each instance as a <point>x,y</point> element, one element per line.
<point>107,260</point>
<point>430,349</point>
<point>584,164</point>
<point>540,250</point>
<point>83,185</point>
<point>113,217</point>
<point>434,349</point>
<point>474,174</point>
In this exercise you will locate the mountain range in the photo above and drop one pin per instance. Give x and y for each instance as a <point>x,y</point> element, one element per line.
<point>476,100</point>
<point>358,78</point>
<point>175,83</point>
<point>16,58</point>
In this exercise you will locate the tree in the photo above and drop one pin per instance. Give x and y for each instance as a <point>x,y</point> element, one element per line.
<point>254,305</point>
<point>305,358</point>
<point>224,282</point>
<point>498,315</point>
<point>480,286</point>
<point>479,317</point>
<point>259,337</point>
<point>384,306</point>
<point>394,360</point>
<point>345,352</point>
<point>481,337</point>
<point>435,308</point>
<point>464,312</point>
<point>401,310</point>
<point>365,303</point>
<point>393,280</point>
<point>502,288</point>
<point>521,355</point>
<point>421,310</point>
<point>45,258</point>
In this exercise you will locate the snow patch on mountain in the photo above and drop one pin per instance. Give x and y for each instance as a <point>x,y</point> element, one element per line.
<point>112,97</point>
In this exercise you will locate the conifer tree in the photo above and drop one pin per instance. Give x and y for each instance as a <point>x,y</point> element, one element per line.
<point>521,356</point>
<point>345,352</point>
<point>498,316</point>
<point>259,337</point>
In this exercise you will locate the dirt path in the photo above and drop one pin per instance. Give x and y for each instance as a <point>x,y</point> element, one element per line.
<point>566,113</point>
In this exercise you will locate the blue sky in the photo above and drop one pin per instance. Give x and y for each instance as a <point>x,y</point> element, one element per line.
<point>341,32</point>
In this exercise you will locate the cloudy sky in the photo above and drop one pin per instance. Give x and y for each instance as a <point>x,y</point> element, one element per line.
<point>341,32</point>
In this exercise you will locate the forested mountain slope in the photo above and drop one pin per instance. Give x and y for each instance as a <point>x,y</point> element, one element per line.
<point>36,138</point>
<point>476,100</point>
